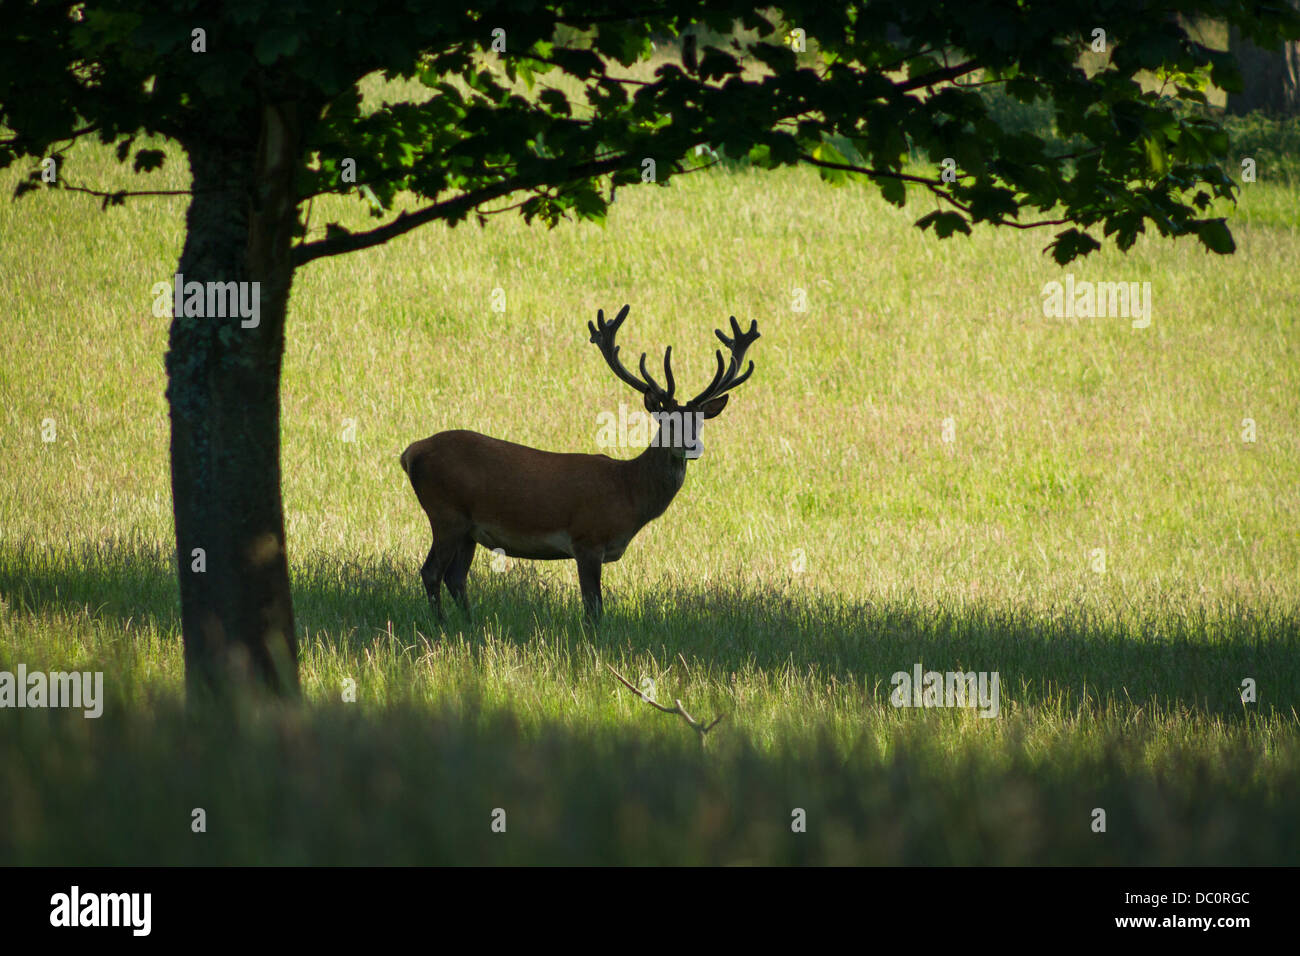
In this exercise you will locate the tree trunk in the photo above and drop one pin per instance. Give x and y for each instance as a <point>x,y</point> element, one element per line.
<point>224,397</point>
<point>1271,79</point>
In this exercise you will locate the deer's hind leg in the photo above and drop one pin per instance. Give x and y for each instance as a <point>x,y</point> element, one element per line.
<point>458,572</point>
<point>437,568</point>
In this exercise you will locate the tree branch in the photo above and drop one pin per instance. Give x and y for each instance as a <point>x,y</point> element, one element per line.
<point>938,76</point>
<point>118,196</point>
<point>700,728</point>
<point>127,192</point>
<point>934,185</point>
<point>75,134</point>
<point>405,172</point>
<point>446,209</point>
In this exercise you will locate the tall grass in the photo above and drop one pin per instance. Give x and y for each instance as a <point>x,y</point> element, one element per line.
<point>1096,531</point>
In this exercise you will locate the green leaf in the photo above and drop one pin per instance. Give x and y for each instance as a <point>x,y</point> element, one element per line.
<point>147,160</point>
<point>525,70</point>
<point>1071,244</point>
<point>945,223</point>
<point>1156,157</point>
<point>1215,236</point>
<point>824,152</point>
<point>920,66</point>
<point>274,43</point>
<point>555,101</point>
<point>590,204</point>
<point>894,191</point>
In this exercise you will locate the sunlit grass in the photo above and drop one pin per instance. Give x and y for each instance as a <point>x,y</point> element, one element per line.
<point>829,537</point>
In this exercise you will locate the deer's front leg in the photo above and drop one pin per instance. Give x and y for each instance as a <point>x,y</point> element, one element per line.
<point>589,581</point>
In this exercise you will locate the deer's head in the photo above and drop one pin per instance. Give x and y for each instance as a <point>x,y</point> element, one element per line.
<point>679,423</point>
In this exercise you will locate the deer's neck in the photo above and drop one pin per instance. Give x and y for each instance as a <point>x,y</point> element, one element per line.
<point>658,474</point>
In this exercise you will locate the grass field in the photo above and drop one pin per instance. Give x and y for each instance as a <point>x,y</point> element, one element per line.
<point>923,470</point>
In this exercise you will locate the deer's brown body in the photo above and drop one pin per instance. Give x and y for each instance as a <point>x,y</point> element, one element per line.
<point>543,505</point>
<point>535,504</point>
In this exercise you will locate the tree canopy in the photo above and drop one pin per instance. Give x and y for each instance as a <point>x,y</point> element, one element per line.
<point>888,80</point>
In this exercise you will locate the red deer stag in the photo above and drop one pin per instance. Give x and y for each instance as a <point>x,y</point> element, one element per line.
<point>543,505</point>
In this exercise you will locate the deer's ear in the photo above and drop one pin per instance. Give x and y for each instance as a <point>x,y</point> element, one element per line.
<point>714,408</point>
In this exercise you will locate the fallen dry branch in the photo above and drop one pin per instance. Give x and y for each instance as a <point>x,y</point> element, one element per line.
<point>700,728</point>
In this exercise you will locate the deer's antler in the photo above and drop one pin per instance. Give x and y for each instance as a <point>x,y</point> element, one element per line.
<point>726,377</point>
<point>603,333</point>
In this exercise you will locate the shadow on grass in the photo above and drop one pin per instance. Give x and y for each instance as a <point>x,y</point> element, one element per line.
<point>1192,662</point>
<point>330,784</point>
